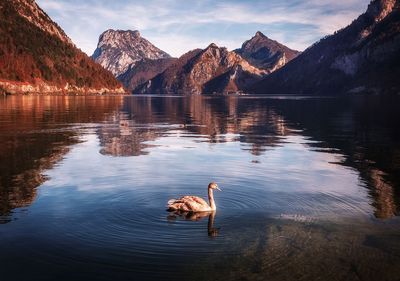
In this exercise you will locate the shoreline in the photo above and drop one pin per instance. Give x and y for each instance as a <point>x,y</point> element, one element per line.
<point>43,88</point>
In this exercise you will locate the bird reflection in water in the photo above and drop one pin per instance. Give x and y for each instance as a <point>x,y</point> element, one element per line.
<point>197,216</point>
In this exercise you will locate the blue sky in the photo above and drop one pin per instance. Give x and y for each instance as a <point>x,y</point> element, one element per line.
<point>177,26</point>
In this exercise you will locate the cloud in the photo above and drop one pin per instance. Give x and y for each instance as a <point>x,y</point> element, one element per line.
<point>177,26</point>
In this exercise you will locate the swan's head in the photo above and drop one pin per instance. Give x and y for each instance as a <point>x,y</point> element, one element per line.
<point>213,185</point>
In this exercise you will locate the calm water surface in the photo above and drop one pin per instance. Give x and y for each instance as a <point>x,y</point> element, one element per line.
<point>311,188</point>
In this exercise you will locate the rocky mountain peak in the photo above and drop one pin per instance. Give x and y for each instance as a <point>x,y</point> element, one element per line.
<point>125,33</point>
<point>265,53</point>
<point>260,40</point>
<point>117,50</point>
<point>118,38</point>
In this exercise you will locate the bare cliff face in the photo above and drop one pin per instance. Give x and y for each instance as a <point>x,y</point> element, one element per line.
<point>119,50</point>
<point>267,54</point>
<point>36,56</point>
<point>363,57</point>
<point>202,72</point>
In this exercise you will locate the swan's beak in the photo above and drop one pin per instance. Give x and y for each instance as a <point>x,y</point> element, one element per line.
<point>218,188</point>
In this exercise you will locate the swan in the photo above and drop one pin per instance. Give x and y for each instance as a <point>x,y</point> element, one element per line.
<point>194,203</point>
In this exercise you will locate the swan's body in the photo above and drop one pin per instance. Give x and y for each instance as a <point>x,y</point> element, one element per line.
<point>194,203</point>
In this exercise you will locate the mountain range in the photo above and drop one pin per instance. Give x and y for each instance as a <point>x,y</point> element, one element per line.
<point>217,70</point>
<point>143,68</point>
<point>36,56</point>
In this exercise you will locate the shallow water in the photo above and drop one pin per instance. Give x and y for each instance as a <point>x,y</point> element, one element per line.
<point>310,188</point>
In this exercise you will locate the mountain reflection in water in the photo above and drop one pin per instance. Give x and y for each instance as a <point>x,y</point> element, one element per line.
<point>311,187</point>
<point>35,133</point>
<point>217,120</point>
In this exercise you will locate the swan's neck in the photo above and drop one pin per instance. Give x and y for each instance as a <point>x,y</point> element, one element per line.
<point>211,199</point>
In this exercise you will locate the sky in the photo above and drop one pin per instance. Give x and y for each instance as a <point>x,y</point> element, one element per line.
<point>177,26</point>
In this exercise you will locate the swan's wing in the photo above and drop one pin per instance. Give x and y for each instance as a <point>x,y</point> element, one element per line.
<point>176,204</point>
<point>187,203</point>
<point>196,199</point>
<point>194,204</point>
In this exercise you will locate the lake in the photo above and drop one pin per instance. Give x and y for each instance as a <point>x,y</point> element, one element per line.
<point>310,188</point>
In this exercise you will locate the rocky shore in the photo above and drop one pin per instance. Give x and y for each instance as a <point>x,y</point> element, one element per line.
<point>12,88</point>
